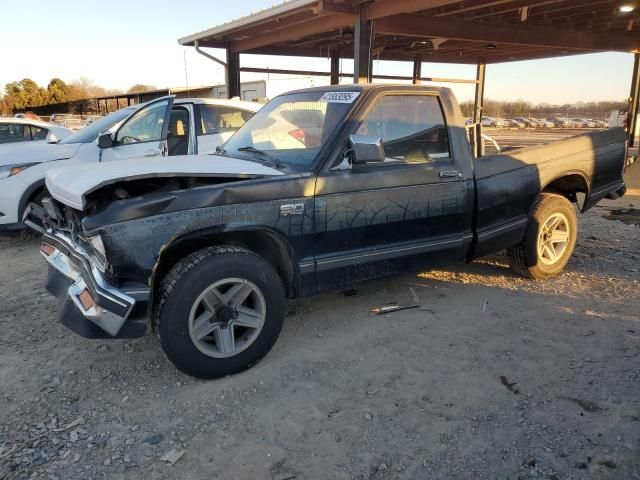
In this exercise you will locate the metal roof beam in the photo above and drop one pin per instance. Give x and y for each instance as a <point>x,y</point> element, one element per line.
<point>319,24</point>
<point>429,27</point>
<point>386,8</point>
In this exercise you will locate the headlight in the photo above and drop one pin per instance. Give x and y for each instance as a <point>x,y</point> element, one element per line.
<point>11,170</point>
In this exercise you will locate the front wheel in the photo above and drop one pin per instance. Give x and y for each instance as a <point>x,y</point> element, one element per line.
<point>549,240</point>
<point>219,311</point>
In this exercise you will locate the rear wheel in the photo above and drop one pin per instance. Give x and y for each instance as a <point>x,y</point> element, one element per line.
<point>219,311</point>
<point>549,240</point>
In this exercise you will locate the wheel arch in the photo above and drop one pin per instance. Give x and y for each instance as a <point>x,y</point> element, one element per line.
<point>264,241</point>
<point>569,184</point>
<point>30,192</point>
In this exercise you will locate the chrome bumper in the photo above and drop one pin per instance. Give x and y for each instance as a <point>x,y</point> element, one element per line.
<point>96,300</point>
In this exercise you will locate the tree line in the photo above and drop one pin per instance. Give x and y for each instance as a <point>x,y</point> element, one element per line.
<point>26,93</point>
<point>520,108</point>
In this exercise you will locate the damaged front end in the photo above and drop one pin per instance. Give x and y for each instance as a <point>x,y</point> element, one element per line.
<point>99,273</point>
<point>89,303</point>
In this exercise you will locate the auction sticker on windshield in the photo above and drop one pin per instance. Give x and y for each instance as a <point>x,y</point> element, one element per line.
<point>339,97</point>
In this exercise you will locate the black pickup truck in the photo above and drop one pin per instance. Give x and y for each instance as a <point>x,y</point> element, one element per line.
<point>321,189</point>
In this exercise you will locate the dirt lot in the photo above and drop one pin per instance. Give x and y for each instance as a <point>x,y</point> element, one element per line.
<point>493,377</point>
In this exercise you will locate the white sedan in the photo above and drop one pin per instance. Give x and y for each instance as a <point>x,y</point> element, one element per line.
<point>160,128</point>
<point>20,130</point>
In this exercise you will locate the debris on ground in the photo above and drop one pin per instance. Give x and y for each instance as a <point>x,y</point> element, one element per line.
<point>510,386</point>
<point>391,308</point>
<point>586,405</point>
<point>172,456</point>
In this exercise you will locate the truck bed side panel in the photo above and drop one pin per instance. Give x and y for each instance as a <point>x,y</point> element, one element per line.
<point>507,184</point>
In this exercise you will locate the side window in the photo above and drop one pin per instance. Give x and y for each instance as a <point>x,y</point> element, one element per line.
<point>216,119</point>
<point>412,128</point>
<point>145,126</point>
<point>39,133</point>
<point>11,132</point>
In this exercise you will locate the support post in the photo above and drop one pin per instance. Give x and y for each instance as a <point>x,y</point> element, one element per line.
<point>233,74</point>
<point>634,101</point>
<point>335,67</point>
<point>477,110</point>
<point>417,69</point>
<point>363,45</point>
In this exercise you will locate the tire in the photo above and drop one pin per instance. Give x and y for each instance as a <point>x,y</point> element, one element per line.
<point>205,329</point>
<point>530,258</point>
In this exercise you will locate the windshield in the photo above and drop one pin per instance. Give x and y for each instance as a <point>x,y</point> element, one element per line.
<point>291,129</point>
<point>89,133</point>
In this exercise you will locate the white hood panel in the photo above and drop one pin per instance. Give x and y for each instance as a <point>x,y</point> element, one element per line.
<point>27,152</point>
<point>70,185</point>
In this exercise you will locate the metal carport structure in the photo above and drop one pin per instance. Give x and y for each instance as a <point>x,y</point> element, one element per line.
<point>478,32</point>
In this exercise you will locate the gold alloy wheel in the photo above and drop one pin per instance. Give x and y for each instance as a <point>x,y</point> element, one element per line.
<point>553,238</point>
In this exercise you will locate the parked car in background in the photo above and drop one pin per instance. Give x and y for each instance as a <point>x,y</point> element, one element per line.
<point>163,127</point>
<point>19,130</point>
<point>600,123</point>
<point>92,119</point>
<point>512,122</point>
<point>494,122</point>
<point>74,123</point>
<point>206,250</point>
<point>528,122</point>
<point>560,122</point>
<point>544,123</point>
<point>583,123</point>
<point>58,118</point>
<point>30,115</point>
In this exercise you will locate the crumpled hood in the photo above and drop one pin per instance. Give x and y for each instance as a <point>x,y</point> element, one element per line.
<point>71,185</point>
<point>27,152</point>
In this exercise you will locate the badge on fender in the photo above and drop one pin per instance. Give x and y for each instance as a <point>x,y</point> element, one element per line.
<point>291,209</point>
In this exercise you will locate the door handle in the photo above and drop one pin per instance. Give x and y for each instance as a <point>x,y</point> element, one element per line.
<point>151,153</point>
<point>450,174</point>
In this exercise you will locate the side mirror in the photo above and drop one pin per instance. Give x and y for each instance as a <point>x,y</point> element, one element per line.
<point>366,149</point>
<point>53,138</point>
<point>105,140</point>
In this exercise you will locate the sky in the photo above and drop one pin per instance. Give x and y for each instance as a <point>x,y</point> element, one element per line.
<point>119,43</point>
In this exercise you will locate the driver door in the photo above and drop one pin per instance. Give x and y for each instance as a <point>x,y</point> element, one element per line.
<point>143,134</point>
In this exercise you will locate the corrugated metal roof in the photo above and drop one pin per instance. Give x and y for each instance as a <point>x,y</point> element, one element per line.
<point>276,10</point>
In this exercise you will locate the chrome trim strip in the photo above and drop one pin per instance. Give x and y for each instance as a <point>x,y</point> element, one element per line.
<point>609,187</point>
<point>393,252</point>
<point>489,232</point>
<point>116,296</point>
<point>307,267</point>
<point>110,322</point>
<point>61,262</point>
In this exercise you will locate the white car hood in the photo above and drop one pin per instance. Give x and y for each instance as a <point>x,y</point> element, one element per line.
<point>27,152</point>
<point>70,185</point>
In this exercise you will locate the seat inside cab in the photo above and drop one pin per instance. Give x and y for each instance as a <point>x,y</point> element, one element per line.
<point>178,132</point>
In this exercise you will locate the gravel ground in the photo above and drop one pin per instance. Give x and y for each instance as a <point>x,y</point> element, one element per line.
<point>492,377</point>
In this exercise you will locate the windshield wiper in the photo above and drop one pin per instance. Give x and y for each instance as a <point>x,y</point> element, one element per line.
<point>269,158</point>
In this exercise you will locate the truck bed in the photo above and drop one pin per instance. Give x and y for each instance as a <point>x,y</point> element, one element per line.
<point>507,183</point>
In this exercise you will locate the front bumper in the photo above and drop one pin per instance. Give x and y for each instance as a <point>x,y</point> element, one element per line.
<point>87,304</point>
<point>9,227</point>
<point>11,191</point>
